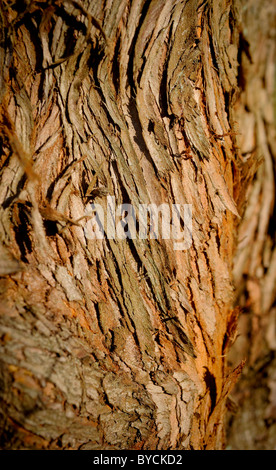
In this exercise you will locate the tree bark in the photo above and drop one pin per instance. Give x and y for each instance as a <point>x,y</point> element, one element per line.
<point>253,426</point>
<point>108,343</point>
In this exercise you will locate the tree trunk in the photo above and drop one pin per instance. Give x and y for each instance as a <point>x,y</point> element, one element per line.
<point>254,424</point>
<point>121,342</point>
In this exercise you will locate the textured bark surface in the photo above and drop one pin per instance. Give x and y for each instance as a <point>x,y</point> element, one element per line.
<point>254,424</point>
<point>109,344</point>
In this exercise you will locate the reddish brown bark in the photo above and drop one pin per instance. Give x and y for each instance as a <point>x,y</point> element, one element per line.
<point>110,344</point>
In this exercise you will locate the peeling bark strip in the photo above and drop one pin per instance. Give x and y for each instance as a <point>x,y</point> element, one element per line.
<point>116,344</point>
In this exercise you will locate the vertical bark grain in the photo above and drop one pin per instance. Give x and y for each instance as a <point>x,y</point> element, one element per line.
<point>254,424</point>
<point>118,344</point>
